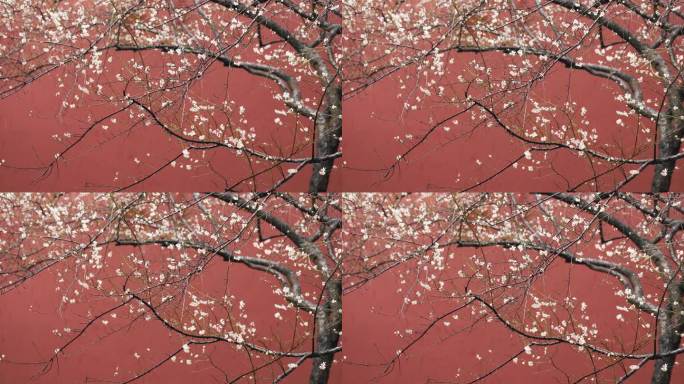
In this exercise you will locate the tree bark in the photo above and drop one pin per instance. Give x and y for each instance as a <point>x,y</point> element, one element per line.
<point>328,135</point>
<point>667,342</point>
<point>328,328</point>
<point>670,131</point>
<point>670,329</point>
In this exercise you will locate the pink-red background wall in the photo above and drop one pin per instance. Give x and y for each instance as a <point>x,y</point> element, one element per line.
<point>454,160</point>
<point>454,353</point>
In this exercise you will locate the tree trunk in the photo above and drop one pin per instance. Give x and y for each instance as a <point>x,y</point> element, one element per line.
<point>663,367</point>
<point>328,134</point>
<point>670,132</point>
<point>670,328</point>
<point>328,329</point>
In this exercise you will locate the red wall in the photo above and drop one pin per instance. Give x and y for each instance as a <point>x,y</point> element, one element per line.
<point>446,161</point>
<point>372,315</point>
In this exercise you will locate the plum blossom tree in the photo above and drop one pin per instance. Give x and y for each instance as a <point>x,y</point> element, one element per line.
<point>176,240</point>
<point>172,50</point>
<point>526,250</point>
<point>509,67</point>
<point>501,259</point>
<point>471,66</point>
